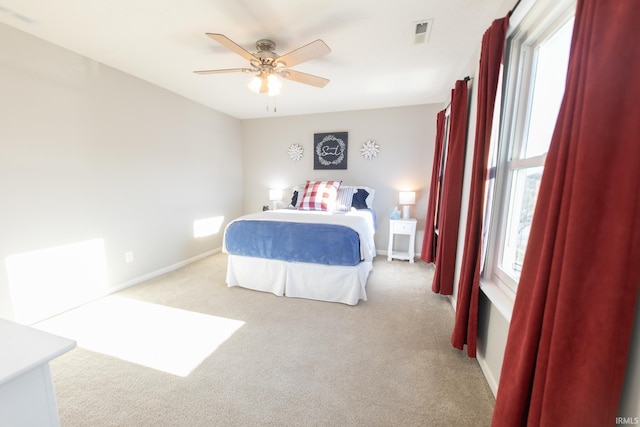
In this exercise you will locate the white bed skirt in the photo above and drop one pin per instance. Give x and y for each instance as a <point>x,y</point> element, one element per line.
<point>345,284</point>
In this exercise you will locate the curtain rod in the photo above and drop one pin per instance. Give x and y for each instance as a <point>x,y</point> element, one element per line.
<point>514,7</point>
<point>466,79</point>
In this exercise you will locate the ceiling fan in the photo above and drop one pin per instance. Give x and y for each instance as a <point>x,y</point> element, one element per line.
<point>267,64</point>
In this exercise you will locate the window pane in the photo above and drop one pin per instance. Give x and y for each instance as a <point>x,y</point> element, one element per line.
<point>524,193</point>
<point>549,80</point>
<point>490,183</point>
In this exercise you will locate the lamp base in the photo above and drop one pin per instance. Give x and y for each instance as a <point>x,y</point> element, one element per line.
<point>406,211</point>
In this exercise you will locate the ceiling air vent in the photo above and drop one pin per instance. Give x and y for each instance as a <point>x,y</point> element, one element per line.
<point>422,31</point>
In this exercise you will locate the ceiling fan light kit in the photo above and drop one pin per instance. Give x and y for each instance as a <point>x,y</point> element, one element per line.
<point>265,83</point>
<point>269,67</point>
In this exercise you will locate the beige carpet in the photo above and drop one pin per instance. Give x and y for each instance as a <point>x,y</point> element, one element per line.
<point>285,361</point>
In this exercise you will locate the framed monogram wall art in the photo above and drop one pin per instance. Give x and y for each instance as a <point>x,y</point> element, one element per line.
<point>330,150</point>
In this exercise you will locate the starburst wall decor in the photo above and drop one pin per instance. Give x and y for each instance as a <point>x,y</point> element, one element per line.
<point>295,152</point>
<point>370,149</point>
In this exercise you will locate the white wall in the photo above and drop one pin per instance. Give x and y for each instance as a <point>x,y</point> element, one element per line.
<point>406,138</point>
<point>88,153</point>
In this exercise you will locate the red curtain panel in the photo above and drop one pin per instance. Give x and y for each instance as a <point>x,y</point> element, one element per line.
<point>451,192</point>
<point>428,253</point>
<point>569,336</point>
<point>465,330</point>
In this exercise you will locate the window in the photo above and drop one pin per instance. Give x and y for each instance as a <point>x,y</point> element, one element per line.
<point>536,62</point>
<point>443,161</point>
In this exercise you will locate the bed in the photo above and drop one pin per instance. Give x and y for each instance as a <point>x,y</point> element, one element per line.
<point>321,247</point>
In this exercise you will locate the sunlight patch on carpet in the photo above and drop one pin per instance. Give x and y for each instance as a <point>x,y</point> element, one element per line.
<point>159,337</point>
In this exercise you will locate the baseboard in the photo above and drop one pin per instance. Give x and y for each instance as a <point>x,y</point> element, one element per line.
<point>493,384</point>
<point>383,253</point>
<point>453,301</point>
<point>162,271</point>
<point>137,280</point>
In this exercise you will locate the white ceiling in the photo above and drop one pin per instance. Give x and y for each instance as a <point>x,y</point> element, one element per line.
<point>374,62</point>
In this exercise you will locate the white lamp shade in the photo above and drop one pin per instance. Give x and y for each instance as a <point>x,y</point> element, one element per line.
<point>407,198</point>
<point>275,195</point>
<point>273,85</point>
<point>255,84</point>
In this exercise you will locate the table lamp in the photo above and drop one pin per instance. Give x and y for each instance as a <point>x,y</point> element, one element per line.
<point>275,196</point>
<point>407,198</point>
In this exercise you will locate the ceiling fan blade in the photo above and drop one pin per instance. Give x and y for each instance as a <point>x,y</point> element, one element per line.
<point>305,53</point>
<point>305,78</point>
<point>226,70</point>
<point>231,45</point>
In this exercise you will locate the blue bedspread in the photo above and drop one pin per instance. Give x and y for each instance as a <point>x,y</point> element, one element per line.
<point>294,241</point>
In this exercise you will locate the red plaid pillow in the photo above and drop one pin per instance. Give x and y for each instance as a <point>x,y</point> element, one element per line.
<point>319,196</point>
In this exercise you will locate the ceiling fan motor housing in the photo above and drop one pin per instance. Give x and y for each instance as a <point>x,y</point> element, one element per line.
<point>265,53</point>
<point>265,45</point>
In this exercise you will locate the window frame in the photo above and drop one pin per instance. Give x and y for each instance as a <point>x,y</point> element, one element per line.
<point>539,23</point>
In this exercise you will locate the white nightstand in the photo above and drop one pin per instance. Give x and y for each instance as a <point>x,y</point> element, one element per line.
<point>402,226</point>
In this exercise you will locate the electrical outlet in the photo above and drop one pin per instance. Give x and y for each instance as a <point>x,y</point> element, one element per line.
<point>128,256</point>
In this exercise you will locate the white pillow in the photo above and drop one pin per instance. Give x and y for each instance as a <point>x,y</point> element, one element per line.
<point>344,199</point>
<point>300,190</point>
